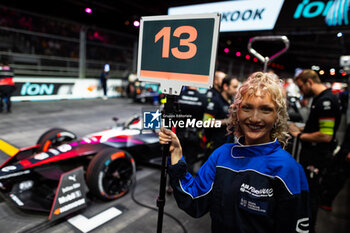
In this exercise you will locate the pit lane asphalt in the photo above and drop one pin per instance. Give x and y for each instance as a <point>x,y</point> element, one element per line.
<point>29,120</point>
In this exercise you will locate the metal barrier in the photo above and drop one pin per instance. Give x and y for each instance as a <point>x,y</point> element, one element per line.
<point>263,59</point>
<point>32,65</point>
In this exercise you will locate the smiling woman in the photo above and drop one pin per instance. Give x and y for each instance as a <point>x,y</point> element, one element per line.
<point>259,112</point>
<point>252,185</point>
<point>256,118</point>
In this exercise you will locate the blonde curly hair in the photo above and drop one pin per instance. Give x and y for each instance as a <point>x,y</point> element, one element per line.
<point>259,84</point>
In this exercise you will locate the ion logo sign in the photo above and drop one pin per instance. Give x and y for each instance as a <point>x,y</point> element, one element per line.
<point>37,89</point>
<point>151,120</point>
<point>43,88</point>
<point>335,12</point>
<point>309,9</point>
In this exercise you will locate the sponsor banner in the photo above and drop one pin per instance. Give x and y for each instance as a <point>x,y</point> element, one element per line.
<point>32,89</point>
<point>278,15</point>
<point>314,14</point>
<point>70,194</point>
<point>252,15</point>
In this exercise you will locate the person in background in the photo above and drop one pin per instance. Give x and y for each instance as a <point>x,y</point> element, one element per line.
<point>103,81</point>
<point>294,106</point>
<point>218,109</point>
<point>319,134</point>
<point>252,185</point>
<point>7,86</point>
<point>215,91</point>
<point>191,103</point>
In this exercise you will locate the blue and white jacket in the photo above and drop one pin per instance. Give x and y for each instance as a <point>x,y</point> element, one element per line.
<point>258,188</point>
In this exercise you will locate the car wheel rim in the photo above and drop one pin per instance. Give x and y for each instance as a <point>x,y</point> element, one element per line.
<point>117,177</point>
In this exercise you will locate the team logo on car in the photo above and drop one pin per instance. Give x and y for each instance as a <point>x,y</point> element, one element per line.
<point>8,168</point>
<point>41,156</point>
<point>151,120</point>
<point>72,178</point>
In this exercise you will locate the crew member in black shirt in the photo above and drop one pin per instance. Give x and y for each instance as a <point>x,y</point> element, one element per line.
<point>318,136</point>
<point>191,105</point>
<point>218,109</point>
<point>215,91</point>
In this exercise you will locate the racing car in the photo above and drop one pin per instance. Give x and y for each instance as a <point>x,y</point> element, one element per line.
<point>30,176</point>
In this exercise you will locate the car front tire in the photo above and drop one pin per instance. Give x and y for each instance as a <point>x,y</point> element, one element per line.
<point>111,174</point>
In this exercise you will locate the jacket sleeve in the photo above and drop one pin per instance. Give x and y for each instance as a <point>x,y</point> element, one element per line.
<point>193,194</point>
<point>293,212</point>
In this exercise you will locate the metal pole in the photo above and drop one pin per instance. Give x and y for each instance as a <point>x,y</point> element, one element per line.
<point>265,64</point>
<point>260,57</point>
<point>168,109</point>
<point>82,53</point>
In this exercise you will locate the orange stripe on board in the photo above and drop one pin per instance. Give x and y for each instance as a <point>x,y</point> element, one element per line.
<point>176,76</point>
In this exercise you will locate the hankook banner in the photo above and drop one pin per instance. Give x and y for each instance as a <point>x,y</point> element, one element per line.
<point>252,15</point>
<point>278,15</point>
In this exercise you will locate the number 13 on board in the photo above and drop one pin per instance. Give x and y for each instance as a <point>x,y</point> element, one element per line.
<point>165,33</point>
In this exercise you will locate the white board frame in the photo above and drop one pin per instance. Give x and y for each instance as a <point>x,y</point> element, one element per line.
<point>173,87</point>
